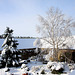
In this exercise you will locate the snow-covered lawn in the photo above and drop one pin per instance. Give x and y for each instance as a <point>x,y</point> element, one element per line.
<point>35,68</point>
<point>15,71</point>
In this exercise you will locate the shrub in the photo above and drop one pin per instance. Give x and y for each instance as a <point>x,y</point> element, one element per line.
<point>35,68</point>
<point>6,69</point>
<point>23,66</point>
<point>50,64</point>
<point>28,60</point>
<point>43,72</point>
<point>57,71</point>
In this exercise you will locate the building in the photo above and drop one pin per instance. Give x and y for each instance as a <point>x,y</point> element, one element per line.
<point>67,55</point>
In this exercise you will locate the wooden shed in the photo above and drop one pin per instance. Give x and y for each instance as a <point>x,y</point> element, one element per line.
<point>66,55</point>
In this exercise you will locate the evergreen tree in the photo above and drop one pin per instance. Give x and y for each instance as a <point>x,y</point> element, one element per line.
<point>10,54</point>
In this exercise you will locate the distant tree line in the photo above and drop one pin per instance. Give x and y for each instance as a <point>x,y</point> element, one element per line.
<point>28,37</point>
<point>20,37</point>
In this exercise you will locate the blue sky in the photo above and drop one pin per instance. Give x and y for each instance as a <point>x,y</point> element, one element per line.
<point>22,15</point>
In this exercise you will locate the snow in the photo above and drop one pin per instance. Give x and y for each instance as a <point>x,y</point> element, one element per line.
<point>6,69</point>
<point>72,72</point>
<point>19,55</point>
<point>36,50</point>
<point>13,62</point>
<point>2,72</point>
<point>5,41</point>
<point>59,66</point>
<point>33,66</point>
<point>50,64</point>
<point>3,51</point>
<point>47,56</point>
<point>37,43</point>
<point>55,65</point>
<point>23,66</point>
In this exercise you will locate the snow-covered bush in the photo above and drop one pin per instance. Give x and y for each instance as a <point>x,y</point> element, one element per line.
<point>28,60</point>
<point>56,67</point>
<point>49,55</point>
<point>23,66</point>
<point>59,66</point>
<point>35,68</point>
<point>43,71</point>
<point>44,55</point>
<point>50,64</point>
<point>57,71</point>
<point>27,69</point>
<point>40,58</point>
<point>6,69</point>
<point>71,66</point>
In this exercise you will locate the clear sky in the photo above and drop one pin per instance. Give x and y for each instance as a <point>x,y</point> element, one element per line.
<point>22,15</point>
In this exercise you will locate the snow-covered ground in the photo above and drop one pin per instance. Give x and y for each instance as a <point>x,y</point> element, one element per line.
<point>35,68</point>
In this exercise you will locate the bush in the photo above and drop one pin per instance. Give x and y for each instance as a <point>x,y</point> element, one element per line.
<point>23,66</point>
<point>28,60</point>
<point>42,72</point>
<point>40,58</point>
<point>56,67</point>
<point>50,64</point>
<point>57,71</point>
<point>35,68</point>
<point>6,69</point>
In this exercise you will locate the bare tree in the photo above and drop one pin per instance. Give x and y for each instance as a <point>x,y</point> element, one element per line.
<point>54,28</point>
